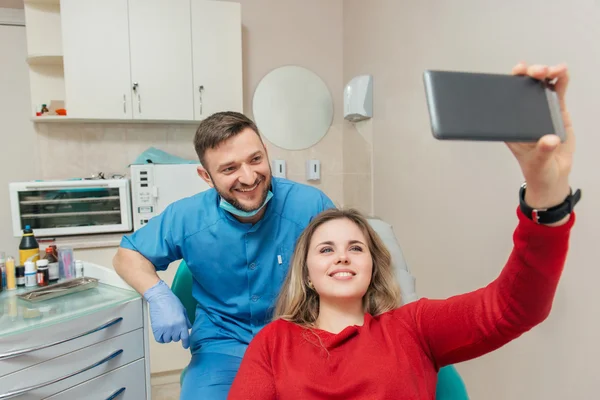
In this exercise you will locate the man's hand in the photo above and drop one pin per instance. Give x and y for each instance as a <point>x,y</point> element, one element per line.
<point>546,165</point>
<point>168,317</point>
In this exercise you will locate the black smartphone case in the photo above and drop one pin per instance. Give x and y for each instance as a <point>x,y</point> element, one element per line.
<point>491,107</point>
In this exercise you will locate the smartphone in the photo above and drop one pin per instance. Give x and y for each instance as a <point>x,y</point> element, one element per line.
<point>491,107</point>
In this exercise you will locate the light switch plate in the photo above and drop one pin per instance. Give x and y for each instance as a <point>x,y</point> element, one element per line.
<point>279,169</point>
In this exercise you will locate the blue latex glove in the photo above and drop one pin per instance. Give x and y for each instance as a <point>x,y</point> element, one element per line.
<point>168,317</point>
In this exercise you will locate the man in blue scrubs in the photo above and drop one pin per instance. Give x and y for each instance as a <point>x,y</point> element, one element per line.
<point>237,239</point>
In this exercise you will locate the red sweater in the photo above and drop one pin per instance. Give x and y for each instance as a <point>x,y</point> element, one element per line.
<point>397,355</point>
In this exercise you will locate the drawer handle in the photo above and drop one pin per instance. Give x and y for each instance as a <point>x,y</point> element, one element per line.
<point>43,346</point>
<point>115,394</point>
<point>19,392</point>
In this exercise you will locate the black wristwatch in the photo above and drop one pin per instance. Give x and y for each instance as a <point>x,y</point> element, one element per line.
<point>549,215</point>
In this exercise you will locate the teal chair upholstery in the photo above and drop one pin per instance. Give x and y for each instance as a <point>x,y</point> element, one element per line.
<point>450,385</point>
<point>182,288</point>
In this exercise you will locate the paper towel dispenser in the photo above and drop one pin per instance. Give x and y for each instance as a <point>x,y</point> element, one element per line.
<point>358,98</point>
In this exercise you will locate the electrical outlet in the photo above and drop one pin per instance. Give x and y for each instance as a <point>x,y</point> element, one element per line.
<point>279,168</point>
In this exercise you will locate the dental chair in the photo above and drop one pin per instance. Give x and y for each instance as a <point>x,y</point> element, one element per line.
<point>450,385</point>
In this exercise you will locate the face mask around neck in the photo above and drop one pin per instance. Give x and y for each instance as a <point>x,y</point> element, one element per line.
<point>225,205</point>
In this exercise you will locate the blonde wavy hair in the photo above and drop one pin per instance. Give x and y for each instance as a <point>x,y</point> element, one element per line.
<point>299,303</point>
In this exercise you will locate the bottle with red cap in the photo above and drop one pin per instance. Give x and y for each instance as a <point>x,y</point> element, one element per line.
<point>53,274</point>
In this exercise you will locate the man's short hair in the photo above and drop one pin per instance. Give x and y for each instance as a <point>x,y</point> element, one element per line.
<point>219,127</point>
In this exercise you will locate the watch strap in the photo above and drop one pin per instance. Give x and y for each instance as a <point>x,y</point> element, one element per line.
<point>549,215</point>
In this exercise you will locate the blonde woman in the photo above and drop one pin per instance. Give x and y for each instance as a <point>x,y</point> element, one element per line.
<point>339,332</point>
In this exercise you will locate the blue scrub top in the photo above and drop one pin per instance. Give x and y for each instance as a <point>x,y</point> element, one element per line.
<point>238,268</point>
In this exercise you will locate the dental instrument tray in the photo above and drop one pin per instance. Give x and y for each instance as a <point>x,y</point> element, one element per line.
<point>60,289</point>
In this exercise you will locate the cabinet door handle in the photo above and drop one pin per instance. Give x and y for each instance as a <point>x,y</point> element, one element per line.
<point>116,394</point>
<point>19,392</point>
<point>139,97</point>
<point>124,104</point>
<point>43,346</point>
<point>200,90</point>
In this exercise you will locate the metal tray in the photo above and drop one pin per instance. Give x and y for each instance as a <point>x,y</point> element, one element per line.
<point>59,289</point>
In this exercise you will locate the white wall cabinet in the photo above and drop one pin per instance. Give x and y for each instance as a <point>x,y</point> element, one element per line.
<point>144,60</point>
<point>96,59</point>
<point>161,59</point>
<point>217,57</point>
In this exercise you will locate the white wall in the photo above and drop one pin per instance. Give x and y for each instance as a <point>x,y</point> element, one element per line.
<point>453,204</point>
<point>19,152</point>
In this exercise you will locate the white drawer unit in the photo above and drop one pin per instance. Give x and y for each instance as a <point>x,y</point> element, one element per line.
<point>21,351</point>
<point>53,376</point>
<point>94,341</point>
<point>119,384</point>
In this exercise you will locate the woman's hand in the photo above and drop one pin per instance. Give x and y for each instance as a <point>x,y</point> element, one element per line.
<point>546,165</point>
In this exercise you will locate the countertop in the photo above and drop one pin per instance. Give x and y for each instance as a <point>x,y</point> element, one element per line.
<point>83,241</point>
<point>18,315</point>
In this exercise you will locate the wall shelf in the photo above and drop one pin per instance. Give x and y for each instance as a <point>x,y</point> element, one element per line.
<point>44,59</point>
<point>44,52</point>
<point>53,119</point>
<point>52,2</point>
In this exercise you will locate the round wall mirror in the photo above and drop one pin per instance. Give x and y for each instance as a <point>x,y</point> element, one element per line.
<point>292,107</point>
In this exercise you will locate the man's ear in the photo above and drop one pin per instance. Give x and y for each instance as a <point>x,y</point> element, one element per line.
<point>203,173</point>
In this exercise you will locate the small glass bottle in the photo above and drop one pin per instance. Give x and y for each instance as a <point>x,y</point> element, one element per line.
<point>20,272</point>
<point>52,265</point>
<point>42,274</point>
<point>78,269</point>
